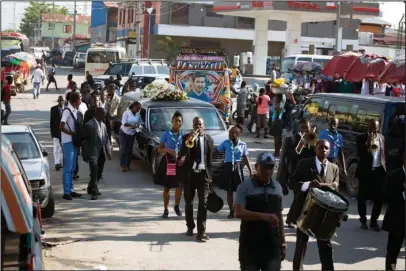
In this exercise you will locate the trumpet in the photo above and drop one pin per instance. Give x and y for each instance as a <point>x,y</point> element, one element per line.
<point>309,139</point>
<point>190,141</point>
<point>374,142</point>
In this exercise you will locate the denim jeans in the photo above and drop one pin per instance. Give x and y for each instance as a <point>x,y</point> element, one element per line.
<point>70,152</point>
<point>126,148</point>
<point>37,89</point>
<point>7,113</point>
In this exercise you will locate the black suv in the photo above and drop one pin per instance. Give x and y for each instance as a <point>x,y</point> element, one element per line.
<point>353,110</point>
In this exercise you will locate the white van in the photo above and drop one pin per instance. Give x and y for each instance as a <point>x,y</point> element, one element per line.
<point>290,61</point>
<point>99,56</point>
<point>37,52</point>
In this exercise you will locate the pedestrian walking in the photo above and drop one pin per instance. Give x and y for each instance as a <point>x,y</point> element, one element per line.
<point>70,81</point>
<point>242,103</point>
<point>258,204</point>
<point>197,163</point>
<point>371,173</point>
<point>96,150</point>
<point>394,220</point>
<point>262,102</point>
<point>131,120</point>
<point>276,125</point>
<point>236,157</point>
<point>70,126</point>
<point>112,102</point>
<point>6,94</point>
<point>56,116</point>
<point>51,77</point>
<point>37,79</point>
<point>169,174</point>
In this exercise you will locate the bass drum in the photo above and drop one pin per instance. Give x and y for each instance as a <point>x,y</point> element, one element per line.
<point>322,213</point>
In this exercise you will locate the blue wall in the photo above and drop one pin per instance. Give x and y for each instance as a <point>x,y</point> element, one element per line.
<point>99,14</point>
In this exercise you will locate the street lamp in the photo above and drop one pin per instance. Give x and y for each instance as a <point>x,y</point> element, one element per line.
<point>149,10</point>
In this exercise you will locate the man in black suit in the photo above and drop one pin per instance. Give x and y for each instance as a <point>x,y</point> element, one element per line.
<point>394,220</point>
<point>197,164</point>
<point>371,173</point>
<point>312,172</point>
<point>290,158</point>
<point>56,115</point>
<point>96,149</point>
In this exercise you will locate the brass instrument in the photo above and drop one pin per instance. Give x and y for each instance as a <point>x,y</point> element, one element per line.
<point>309,139</point>
<point>190,141</point>
<point>374,142</point>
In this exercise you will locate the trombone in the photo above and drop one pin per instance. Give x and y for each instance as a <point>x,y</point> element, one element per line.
<point>309,138</point>
<point>190,141</point>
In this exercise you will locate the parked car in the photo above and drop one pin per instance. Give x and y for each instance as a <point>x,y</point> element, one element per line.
<point>68,58</point>
<point>79,61</point>
<point>353,110</point>
<point>21,247</point>
<point>34,158</point>
<point>157,116</point>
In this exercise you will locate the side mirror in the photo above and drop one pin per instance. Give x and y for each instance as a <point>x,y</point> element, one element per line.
<point>44,153</point>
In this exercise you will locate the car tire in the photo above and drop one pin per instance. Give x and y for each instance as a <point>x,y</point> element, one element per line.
<point>352,181</point>
<point>235,115</point>
<point>49,210</point>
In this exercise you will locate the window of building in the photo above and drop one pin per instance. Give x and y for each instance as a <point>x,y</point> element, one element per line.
<point>180,14</point>
<point>248,23</point>
<point>211,13</point>
<point>51,26</point>
<point>67,28</point>
<point>129,14</point>
<point>119,18</point>
<point>311,108</point>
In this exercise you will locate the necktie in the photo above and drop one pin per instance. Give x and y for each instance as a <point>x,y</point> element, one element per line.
<point>198,153</point>
<point>323,167</point>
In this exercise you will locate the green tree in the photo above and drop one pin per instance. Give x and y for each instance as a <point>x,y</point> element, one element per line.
<point>171,47</point>
<point>32,15</point>
<point>9,30</point>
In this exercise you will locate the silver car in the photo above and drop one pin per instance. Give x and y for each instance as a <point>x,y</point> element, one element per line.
<point>34,158</point>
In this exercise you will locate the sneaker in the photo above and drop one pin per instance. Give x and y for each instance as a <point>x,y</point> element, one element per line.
<point>67,197</point>
<point>165,214</point>
<point>58,166</point>
<point>177,210</point>
<point>189,232</point>
<point>202,237</point>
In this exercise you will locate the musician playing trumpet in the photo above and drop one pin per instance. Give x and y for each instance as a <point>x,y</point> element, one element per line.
<point>371,173</point>
<point>331,134</point>
<point>295,148</point>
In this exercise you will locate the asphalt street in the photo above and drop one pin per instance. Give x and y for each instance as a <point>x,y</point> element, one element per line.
<point>123,229</point>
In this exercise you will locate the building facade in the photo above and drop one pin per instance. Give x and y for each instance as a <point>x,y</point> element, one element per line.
<point>104,22</point>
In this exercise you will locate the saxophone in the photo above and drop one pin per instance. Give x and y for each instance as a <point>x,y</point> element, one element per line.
<point>190,141</point>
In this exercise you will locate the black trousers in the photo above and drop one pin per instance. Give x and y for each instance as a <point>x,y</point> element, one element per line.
<point>371,188</point>
<point>197,181</point>
<point>393,247</point>
<point>96,169</point>
<point>325,252</point>
<point>272,264</point>
<point>289,215</point>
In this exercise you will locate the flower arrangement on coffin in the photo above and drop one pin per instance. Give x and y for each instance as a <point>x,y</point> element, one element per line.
<point>160,90</point>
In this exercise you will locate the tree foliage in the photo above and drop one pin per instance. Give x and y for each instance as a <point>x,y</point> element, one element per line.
<point>32,15</point>
<point>171,47</point>
<point>9,30</point>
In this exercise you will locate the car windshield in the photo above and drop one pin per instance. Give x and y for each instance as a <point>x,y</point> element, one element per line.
<point>121,68</point>
<point>160,119</point>
<point>136,70</point>
<point>102,57</point>
<point>162,69</point>
<point>149,69</point>
<point>25,145</point>
<point>287,64</point>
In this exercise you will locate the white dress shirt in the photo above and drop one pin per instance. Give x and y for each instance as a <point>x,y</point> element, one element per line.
<point>38,75</point>
<point>365,87</point>
<point>201,165</point>
<point>376,156</point>
<point>69,123</point>
<point>129,117</point>
<point>82,108</point>
<point>305,185</point>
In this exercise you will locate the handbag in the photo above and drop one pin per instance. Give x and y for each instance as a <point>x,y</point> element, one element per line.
<point>170,168</point>
<point>214,202</point>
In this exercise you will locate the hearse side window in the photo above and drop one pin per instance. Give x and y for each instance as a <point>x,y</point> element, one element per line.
<point>341,110</point>
<point>396,125</point>
<point>312,108</point>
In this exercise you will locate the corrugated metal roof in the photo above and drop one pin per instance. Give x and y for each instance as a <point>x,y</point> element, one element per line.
<point>375,20</point>
<point>60,18</point>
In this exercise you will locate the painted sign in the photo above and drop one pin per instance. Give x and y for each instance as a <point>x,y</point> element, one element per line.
<point>303,5</point>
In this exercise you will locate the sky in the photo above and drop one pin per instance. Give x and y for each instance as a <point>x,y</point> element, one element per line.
<point>391,11</point>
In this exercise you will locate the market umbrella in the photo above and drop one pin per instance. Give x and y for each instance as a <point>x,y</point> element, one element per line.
<point>307,66</point>
<point>394,72</point>
<point>338,64</point>
<point>365,67</point>
<point>22,57</point>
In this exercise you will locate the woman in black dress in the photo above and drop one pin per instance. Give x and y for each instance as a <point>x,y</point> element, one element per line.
<point>232,173</point>
<point>168,174</point>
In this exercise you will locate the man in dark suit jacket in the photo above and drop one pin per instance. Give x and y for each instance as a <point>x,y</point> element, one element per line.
<point>56,115</point>
<point>394,220</point>
<point>312,173</point>
<point>197,164</point>
<point>290,158</point>
<point>371,173</point>
<point>96,149</point>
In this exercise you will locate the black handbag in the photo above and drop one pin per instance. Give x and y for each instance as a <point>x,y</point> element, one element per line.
<point>214,202</point>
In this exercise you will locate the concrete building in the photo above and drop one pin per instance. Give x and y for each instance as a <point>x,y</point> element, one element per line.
<point>61,28</point>
<point>104,22</point>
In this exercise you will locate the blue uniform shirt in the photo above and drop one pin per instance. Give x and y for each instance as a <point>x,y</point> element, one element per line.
<point>172,141</point>
<point>336,142</point>
<point>239,150</point>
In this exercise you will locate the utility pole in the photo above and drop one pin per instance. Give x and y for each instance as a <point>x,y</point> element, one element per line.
<point>339,30</point>
<point>53,25</point>
<point>138,14</point>
<point>74,27</point>
<point>14,16</point>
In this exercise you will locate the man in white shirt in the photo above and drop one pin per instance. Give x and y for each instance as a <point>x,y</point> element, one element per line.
<point>70,151</point>
<point>314,172</point>
<point>367,87</point>
<point>36,79</point>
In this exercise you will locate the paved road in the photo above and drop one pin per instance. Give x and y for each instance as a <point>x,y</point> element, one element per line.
<point>123,229</point>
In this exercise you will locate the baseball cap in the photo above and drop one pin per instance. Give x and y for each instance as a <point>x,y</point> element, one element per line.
<point>266,158</point>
